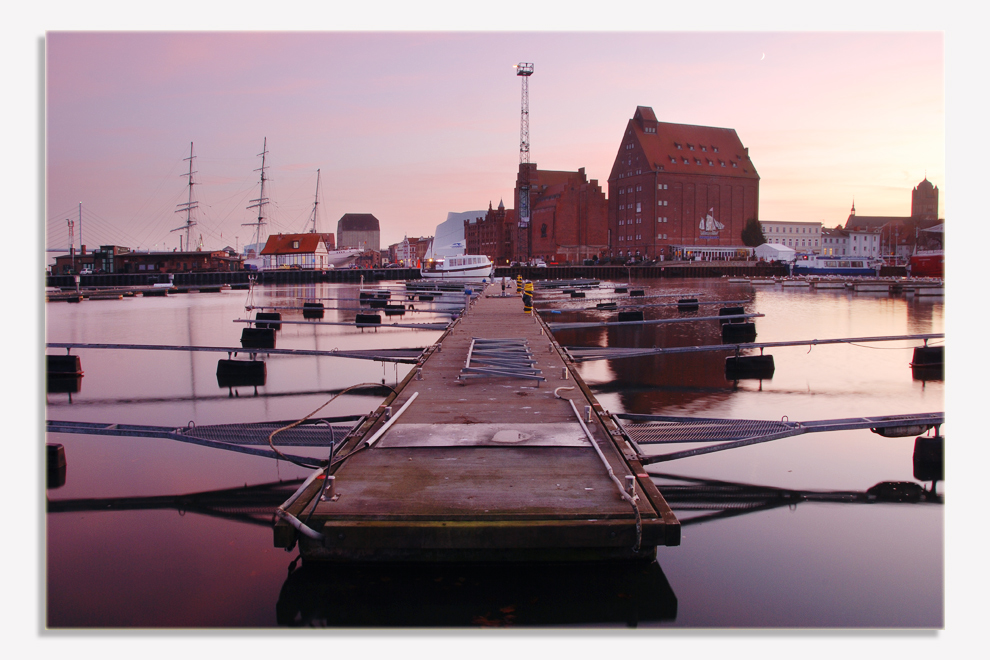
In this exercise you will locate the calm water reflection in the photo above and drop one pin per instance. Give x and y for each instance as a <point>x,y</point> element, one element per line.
<point>153,533</point>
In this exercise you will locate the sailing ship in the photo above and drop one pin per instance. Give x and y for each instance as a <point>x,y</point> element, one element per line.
<point>303,251</point>
<point>709,223</point>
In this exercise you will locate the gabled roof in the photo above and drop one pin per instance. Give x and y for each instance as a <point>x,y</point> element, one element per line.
<point>283,244</point>
<point>873,221</point>
<point>708,150</point>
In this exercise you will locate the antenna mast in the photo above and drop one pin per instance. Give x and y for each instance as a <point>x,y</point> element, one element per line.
<point>261,201</point>
<point>316,202</point>
<point>524,70</point>
<point>189,205</point>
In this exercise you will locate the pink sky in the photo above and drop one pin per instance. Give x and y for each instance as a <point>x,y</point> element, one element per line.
<point>410,126</point>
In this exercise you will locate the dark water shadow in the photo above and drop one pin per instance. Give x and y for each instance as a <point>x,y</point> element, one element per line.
<point>474,595</point>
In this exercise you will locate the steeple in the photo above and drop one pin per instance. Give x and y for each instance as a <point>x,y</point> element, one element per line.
<point>501,206</point>
<point>853,210</point>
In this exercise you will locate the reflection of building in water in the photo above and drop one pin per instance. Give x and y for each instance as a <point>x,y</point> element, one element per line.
<point>649,383</point>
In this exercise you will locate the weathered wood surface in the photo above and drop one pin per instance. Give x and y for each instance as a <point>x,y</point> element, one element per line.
<point>485,468</point>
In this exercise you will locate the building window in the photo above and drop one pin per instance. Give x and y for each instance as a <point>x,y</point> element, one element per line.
<point>677,145</point>
<point>691,147</point>
<point>638,188</point>
<point>697,161</point>
<point>685,161</point>
<point>622,207</point>
<point>703,148</point>
<point>639,236</point>
<point>639,221</point>
<point>715,149</point>
<point>622,222</point>
<point>673,160</point>
<point>295,245</point>
<point>639,207</point>
<point>733,164</point>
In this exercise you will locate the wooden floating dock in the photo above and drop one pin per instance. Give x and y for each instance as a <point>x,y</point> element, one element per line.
<point>481,460</point>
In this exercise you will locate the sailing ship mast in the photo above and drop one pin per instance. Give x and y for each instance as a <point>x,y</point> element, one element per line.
<point>316,203</point>
<point>260,202</point>
<point>189,205</point>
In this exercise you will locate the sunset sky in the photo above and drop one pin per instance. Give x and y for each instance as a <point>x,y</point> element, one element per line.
<point>409,126</point>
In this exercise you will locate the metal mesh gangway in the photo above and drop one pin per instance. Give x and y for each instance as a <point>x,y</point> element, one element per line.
<point>588,353</point>
<point>732,433</point>
<point>402,355</point>
<point>695,319</point>
<point>247,504</point>
<point>241,438</point>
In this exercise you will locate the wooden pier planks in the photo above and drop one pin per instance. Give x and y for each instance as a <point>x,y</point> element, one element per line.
<point>467,495</point>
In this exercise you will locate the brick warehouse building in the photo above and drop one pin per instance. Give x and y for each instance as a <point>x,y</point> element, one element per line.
<point>493,235</point>
<point>568,219</point>
<point>679,191</point>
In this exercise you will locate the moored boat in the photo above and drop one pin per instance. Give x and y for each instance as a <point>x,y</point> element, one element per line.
<point>465,267</point>
<point>927,263</point>
<point>817,264</point>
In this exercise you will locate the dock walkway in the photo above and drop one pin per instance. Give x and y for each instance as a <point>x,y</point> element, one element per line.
<point>485,467</point>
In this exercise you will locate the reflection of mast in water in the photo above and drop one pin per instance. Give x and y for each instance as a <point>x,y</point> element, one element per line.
<point>726,499</point>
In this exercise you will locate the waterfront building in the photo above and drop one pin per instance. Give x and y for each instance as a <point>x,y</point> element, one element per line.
<point>359,230</point>
<point>902,236</point>
<point>568,220</point>
<point>851,242</point>
<point>803,237</point>
<point>679,191</point>
<point>493,234</point>
<point>296,251</point>
<point>409,252</point>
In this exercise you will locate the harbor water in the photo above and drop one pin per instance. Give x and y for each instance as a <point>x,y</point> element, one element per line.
<point>822,530</point>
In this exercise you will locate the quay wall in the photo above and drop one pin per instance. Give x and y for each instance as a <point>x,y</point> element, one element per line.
<point>609,272</point>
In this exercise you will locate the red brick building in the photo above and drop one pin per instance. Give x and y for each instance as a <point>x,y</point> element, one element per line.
<point>568,216</point>
<point>677,190</point>
<point>493,235</point>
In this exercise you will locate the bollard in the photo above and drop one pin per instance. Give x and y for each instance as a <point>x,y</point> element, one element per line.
<point>564,375</point>
<point>388,412</point>
<point>587,411</point>
<point>419,373</point>
<point>528,298</point>
<point>328,490</point>
<point>630,484</point>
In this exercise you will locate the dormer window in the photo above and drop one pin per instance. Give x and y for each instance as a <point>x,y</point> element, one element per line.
<point>295,245</point>
<point>722,163</point>
<point>715,149</point>
<point>734,164</point>
<point>673,160</point>
<point>677,145</point>
<point>691,147</point>
<point>686,161</point>
<point>697,161</point>
<point>703,148</point>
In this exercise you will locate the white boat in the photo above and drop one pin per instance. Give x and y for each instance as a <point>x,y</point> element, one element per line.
<point>817,264</point>
<point>465,267</point>
<point>445,258</point>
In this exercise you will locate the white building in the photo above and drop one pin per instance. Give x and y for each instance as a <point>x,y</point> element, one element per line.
<point>803,237</point>
<point>851,242</point>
